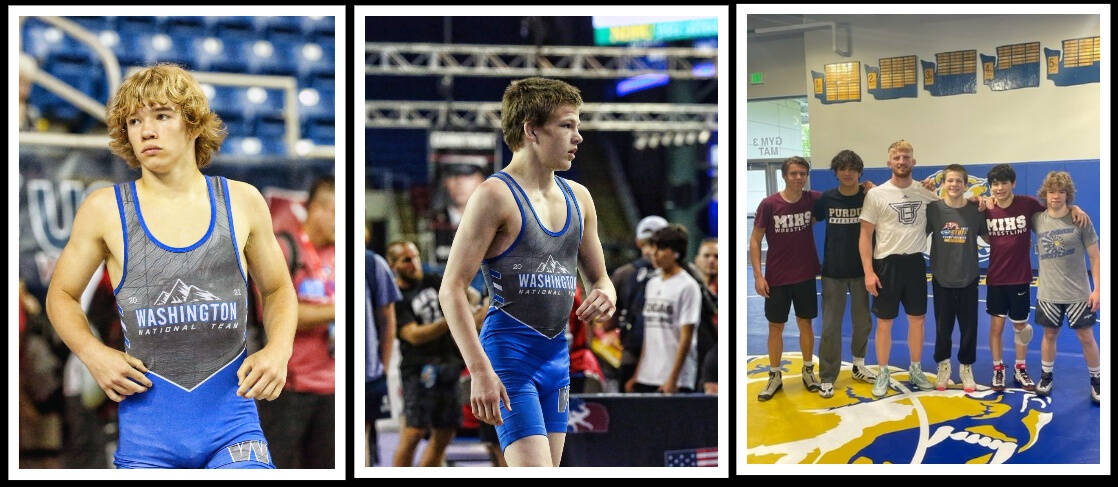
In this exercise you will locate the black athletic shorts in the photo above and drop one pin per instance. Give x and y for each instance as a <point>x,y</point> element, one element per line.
<point>1051,315</point>
<point>1011,300</point>
<point>781,298</point>
<point>903,280</point>
<point>431,396</point>
<point>376,399</point>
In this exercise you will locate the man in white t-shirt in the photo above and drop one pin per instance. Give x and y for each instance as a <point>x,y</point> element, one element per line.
<point>672,305</point>
<point>895,272</point>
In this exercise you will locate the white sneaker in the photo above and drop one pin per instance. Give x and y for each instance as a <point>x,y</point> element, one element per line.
<point>916,377</point>
<point>943,376</point>
<point>968,378</point>
<point>826,389</point>
<point>881,384</point>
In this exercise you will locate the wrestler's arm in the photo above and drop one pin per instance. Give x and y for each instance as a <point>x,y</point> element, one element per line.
<point>117,373</point>
<point>601,301</point>
<point>264,373</point>
<point>1094,300</point>
<point>484,214</point>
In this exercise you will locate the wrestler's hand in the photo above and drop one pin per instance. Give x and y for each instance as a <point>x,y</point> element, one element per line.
<point>1079,217</point>
<point>263,374</point>
<point>872,283</point>
<point>116,372</point>
<point>762,287</point>
<point>1093,301</point>
<point>867,185</point>
<point>597,306</point>
<point>486,392</point>
<point>928,184</point>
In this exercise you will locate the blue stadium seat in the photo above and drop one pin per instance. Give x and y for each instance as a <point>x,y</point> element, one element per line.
<point>93,24</point>
<point>207,52</point>
<point>127,49</point>
<point>236,124</point>
<point>278,60</point>
<point>322,132</point>
<point>186,26</point>
<point>240,27</point>
<point>323,110</point>
<point>270,106</point>
<point>273,146</point>
<point>278,27</point>
<point>233,58</point>
<point>314,26</point>
<point>137,25</point>
<point>321,82</point>
<point>314,59</point>
<point>270,126</point>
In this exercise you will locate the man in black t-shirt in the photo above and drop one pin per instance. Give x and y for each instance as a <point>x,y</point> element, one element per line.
<point>430,364</point>
<point>842,271</point>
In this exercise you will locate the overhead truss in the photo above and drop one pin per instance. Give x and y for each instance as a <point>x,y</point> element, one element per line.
<point>520,61</point>
<point>594,116</point>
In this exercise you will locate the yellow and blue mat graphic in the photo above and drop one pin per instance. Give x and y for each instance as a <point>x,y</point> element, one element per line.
<point>910,426</point>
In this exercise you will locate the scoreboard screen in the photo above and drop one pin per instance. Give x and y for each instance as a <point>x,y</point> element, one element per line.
<point>624,30</point>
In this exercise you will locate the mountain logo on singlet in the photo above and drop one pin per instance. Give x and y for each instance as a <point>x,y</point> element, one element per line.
<point>182,292</point>
<point>907,212</point>
<point>550,277</point>
<point>187,307</point>
<point>552,266</point>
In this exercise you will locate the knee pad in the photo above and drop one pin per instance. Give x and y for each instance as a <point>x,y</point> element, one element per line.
<point>1024,335</point>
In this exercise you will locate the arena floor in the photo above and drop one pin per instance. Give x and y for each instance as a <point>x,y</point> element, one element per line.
<point>1015,426</point>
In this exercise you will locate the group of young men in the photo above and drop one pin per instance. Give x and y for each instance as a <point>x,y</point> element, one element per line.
<point>874,244</point>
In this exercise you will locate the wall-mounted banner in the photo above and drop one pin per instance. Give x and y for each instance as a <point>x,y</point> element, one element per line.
<point>953,73</point>
<point>838,83</point>
<point>894,77</point>
<point>1080,64</point>
<point>1015,66</point>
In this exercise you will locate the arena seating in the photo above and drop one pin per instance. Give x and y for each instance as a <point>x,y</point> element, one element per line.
<point>302,47</point>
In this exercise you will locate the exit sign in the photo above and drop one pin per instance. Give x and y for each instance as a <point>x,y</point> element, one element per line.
<point>756,78</point>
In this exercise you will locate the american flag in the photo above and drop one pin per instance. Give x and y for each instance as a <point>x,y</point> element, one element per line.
<point>701,457</point>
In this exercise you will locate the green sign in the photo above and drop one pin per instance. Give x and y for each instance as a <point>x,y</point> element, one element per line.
<point>756,78</point>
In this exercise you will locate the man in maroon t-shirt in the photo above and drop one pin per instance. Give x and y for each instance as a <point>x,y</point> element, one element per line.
<point>784,219</point>
<point>1009,219</point>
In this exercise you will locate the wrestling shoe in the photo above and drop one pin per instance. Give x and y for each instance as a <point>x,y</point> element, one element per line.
<point>916,376</point>
<point>943,376</point>
<point>827,389</point>
<point>774,384</point>
<point>967,376</point>
<point>862,373</point>
<point>1045,385</point>
<point>1024,335</point>
<point>1094,389</point>
<point>1021,375</point>
<point>881,384</point>
<point>997,383</point>
<point>811,382</point>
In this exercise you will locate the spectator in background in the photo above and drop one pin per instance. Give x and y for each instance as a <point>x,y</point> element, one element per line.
<point>586,372</point>
<point>380,331</point>
<point>672,305</point>
<point>706,261</point>
<point>459,180</point>
<point>629,280</point>
<point>430,364</point>
<point>300,424</point>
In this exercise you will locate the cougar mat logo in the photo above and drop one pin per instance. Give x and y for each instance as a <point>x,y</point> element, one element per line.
<point>905,426</point>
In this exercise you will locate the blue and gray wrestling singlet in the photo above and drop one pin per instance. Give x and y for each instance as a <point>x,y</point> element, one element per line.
<point>532,285</point>
<point>183,311</point>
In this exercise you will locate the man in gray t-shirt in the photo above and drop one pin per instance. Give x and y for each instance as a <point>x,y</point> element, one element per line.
<point>955,225</point>
<point>1063,288</point>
